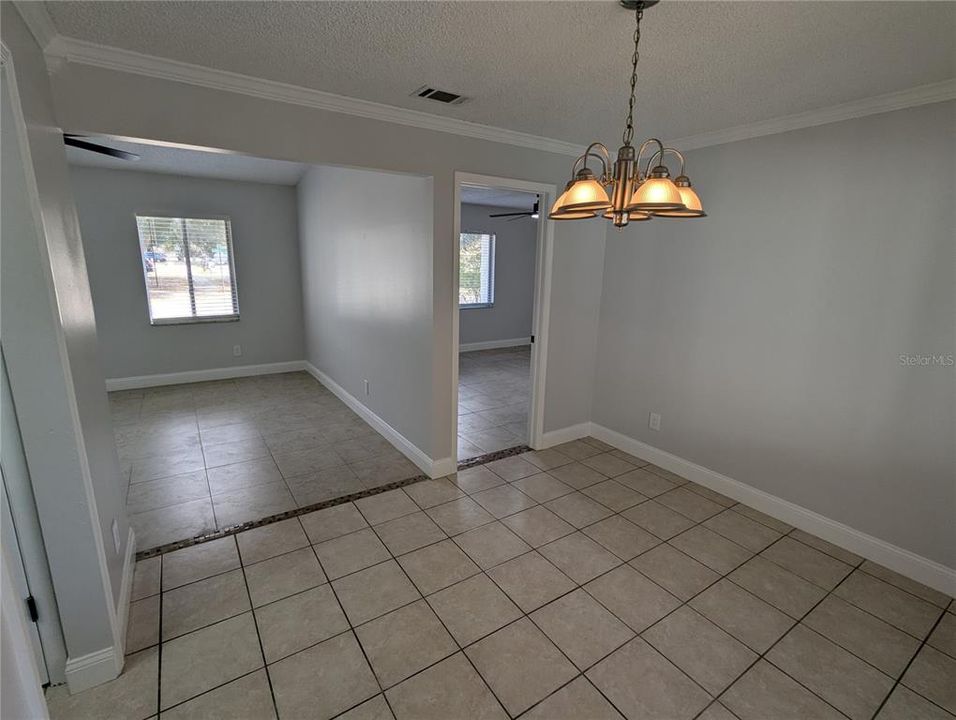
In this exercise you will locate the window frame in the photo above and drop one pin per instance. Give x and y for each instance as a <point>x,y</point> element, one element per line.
<point>233,279</point>
<point>491,271</point>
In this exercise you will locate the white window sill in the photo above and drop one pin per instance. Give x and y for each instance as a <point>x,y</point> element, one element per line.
<point>194,320</point>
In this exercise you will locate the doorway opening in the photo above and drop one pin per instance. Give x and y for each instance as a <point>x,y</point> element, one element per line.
<point>502,272</point>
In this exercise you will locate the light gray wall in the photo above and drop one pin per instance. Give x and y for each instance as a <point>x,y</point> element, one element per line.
<point>264,223</point>
<point>366,276</point>
<point>515,245</point>
<point>578,266</point>
<point>768,335</point>
<point>50,345</point>
<point>114,102</point>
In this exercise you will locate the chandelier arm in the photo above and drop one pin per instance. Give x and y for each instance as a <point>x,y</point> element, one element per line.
<point>640,152</point>
<point>604,156</point>
<point>660,154</point>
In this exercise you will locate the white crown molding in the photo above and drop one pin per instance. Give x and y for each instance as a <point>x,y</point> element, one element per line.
<point>38,20</point>
<point>920,95</point>
<point>60,49</point>
<point>111,58</point>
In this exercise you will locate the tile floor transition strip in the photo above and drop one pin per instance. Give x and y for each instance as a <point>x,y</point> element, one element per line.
<point>296,512</point>
<point>278,517</point>
<point>492,456</point>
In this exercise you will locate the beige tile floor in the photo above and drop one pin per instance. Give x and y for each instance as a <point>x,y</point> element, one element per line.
<point>494,391</point>
<point>578,583</point>
<point>209,455</point>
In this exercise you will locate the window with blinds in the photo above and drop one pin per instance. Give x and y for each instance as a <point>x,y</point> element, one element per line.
<point>189,269</point>
<point>476,270</point>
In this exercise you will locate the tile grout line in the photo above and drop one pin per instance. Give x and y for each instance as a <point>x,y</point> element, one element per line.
<point>799,622</point>
<point>899,680</point>
<point>205,472</point>
<point>484,571</point>
<point>424,598</point>
<point>853,568</point>
<point>726,575</point>
<point>577,586</point>
<point>524,615</point>
<point>159,649</point>
<point>537,549</point>
<point>440,620</point>
<point>255,624</point>
<point>351,628</point>
<point>210,690</point>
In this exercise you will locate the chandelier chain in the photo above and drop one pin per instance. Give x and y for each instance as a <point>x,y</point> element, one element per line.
<point>629,126</point>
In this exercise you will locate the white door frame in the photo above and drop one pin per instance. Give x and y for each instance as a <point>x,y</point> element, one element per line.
<point>542,296</point>
<point>20,491</point>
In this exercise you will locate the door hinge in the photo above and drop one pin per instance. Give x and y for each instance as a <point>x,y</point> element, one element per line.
<point>532,339</point>
<point>32,609</point>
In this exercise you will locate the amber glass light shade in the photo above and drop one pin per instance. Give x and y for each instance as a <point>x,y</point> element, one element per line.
<point>559,203</point>
<point>584,194</point>
<point>582,198</point>
<point>573,215</point>
<point>657,192</point>
<point>693,207</point>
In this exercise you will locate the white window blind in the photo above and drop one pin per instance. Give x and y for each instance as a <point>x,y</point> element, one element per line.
<point>189,269</point>
<point>476,270</point>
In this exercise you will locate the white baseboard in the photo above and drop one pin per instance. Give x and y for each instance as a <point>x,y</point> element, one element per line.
<point>191,376</point>
<point>98,667</point>
<point>563,435</point>
<point>432,468</point>
<point>93,669</point>
<point>494,344</point>
<point>443,467</point>
<point>903,561</point>
<point>126,589</point>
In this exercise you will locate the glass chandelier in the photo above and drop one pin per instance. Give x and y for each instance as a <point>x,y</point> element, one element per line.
<point>636,194</point>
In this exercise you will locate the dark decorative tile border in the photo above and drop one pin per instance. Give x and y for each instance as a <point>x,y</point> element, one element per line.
<point>234,529</point>
<point>491,457</point>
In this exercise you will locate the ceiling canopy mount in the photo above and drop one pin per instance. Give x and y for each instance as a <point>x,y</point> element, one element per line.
<point>633,5</point>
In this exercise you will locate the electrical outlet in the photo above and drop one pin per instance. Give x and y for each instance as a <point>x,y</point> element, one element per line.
<point>655,421</point>
<point>116,537</point>
<point>368,388</point>
<point>237,350</point>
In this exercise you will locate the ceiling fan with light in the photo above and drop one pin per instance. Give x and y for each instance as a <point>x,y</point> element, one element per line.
<point>637,193</point>
<point>77,141</point>
<point>533,214</point>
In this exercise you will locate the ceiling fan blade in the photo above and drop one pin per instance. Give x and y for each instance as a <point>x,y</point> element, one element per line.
<point>74,141</point>
<point>525,212</point>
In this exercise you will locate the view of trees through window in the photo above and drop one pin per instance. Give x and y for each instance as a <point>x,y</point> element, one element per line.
<point>187,263</point>
<point>476,270</point>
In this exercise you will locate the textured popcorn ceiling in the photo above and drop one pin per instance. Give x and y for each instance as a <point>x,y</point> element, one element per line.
<point>559,69</point>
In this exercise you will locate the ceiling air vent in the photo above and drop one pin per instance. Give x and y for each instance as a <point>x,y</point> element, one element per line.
<point>442,96</point>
